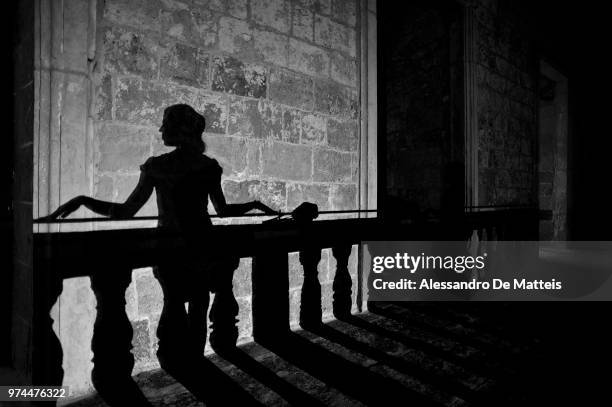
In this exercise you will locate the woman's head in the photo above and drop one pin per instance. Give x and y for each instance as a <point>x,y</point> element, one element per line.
<point>182,126</point>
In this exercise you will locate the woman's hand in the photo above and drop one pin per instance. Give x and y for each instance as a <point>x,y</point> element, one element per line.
<point>66,209</point>
<point>265,208</point>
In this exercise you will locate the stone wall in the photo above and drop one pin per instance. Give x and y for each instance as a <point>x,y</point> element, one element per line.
<point>278,83</point>
<point>506,76</point>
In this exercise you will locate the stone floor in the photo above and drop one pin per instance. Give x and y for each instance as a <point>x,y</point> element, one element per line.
<point>403,354</point>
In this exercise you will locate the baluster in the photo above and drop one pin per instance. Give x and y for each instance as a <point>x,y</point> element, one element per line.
<point>224,310</point>
<point>310,306</point>
<point>342,286</point>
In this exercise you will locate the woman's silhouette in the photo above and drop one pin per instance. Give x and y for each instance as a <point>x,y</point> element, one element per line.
<point>183,179</point>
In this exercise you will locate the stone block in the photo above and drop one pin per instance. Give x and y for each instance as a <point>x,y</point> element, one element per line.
<point>142,14</point>
<point>317,6</point>
<point>336,100</point>
<point>230,152</point>
<point>343,196</point>
<point>287,161</point>
<point>271,193</point>
<point>253,158</point>
<point>129,52</point>
<point>231,75</point>
<point>291,130</point>
<point>331,166</point>
<point>345,11</point>
<point>218,5</point>
<point>103,98</point>
<point>143,102</point>
<point>313,129</point>
<point>185,64</point>
<point>193,24</point>
<point>214,108</point>
<point>258,119</point>
<point>150,295</point>
<point>315,193</point>
<point>343,69</point>
<point>343,135</point>
<point>275,14</point>
<point>103,187</point>
<point>141,341</point>
<point>336,36</point>
<point>122,148</point>
<point>271,47</point>
<point>292,89</point>
<point>303,23</point>
<point>124,185</point>
<point>237,8</point>
<point>307,58</point>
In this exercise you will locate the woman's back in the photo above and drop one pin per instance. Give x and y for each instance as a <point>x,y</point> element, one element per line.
<point>183,181</point>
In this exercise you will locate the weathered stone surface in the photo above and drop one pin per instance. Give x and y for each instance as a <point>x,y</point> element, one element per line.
<point>287,161</point>
<point>185,64</point>
<point>271,47</point>
<point>218,5</point>
<point>239,38</point>
<point>331,166</point>
<point>336,100</point>
<point>315,193</point>
<point>142,14</point>
<point>128,52</point>
<point>345,11</point>
<point>230,152</point>
<point>242,277</point>
<point>253,158</point>
<point>317,6</point>
<point>292,126</point>
<point>291,89</point>
<point>150,295</point>
<point>313,129</point>
<point>237,8</point>
<point>303,23</point>
<point>343,135</point>
<point>231,75</point>
<point>141,341</point>
<point>343,196</point>
<point>259,119</point>
<point>343,69</point>
<point>122,148</point>
<point>214,108</point>
<point>103,188</point>
<point>143,102</point>
<point>272,13</point>
<point>245,321</point>
<point>103,98</point>
<point>196,25</point>
<point>124,185</point>
<point>308,58</point>
<point>272,193</point>
<point>333,35</point>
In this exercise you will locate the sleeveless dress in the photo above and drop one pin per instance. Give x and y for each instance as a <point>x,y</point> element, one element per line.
<point>183,181</point>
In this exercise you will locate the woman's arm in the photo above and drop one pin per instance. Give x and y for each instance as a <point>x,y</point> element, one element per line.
<point>224,209</point>
<point>124,210</point>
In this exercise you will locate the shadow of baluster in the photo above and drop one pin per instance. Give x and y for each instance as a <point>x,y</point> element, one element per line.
<point>343,283</point>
